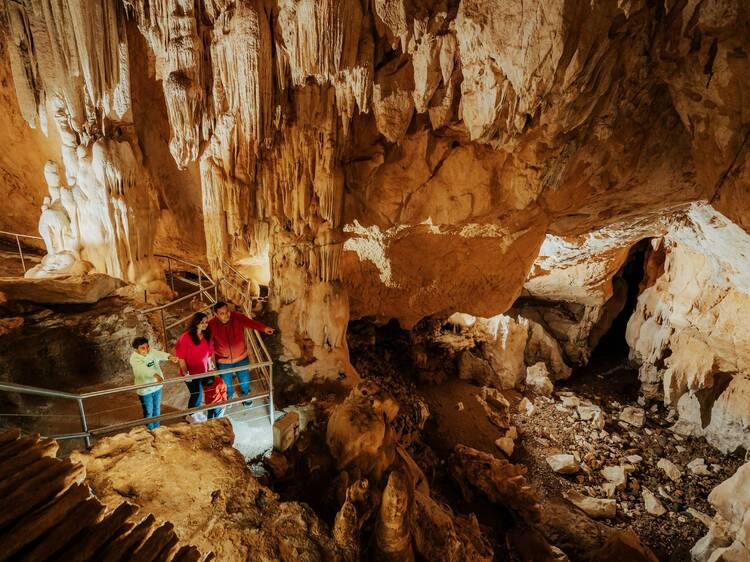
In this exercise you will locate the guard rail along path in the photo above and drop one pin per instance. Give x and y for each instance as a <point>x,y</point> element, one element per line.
<point>18,237</point>
<point>261,366</point>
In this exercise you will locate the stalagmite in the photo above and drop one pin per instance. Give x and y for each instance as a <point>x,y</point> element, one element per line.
<point>392,534</point>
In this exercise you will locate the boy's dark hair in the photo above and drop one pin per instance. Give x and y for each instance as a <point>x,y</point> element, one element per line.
<point>219,305</point>
<point>138,342</point>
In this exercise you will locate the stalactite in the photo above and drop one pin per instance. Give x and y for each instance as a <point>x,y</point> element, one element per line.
<point>74,56</point>
<point>242,65</point>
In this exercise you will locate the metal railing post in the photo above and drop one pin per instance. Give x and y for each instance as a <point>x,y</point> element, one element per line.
<point>272,412</point>
<point>171,275</point>
<point>84,423</point>
<point>20,252</point>
<point>163,326</point>
<point>200,285</point>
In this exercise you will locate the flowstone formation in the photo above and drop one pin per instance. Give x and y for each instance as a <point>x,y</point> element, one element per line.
<point>394,159</point>
<point>71,61</point>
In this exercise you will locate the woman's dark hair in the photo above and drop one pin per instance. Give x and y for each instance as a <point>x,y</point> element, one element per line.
<point>138,342</point>
<point>193,328</point>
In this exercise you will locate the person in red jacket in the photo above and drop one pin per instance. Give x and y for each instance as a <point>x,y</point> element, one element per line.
<point>230,348</point>
<point>214,392</point>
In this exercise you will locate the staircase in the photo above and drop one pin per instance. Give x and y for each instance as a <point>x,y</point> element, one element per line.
<point>48,513</point>
<point>253,434</point>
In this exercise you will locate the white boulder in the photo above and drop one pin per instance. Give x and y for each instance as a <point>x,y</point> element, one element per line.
<point>672,471</point>
<point>593,507</point>
<point>652,503</point>
<point>563,464</point>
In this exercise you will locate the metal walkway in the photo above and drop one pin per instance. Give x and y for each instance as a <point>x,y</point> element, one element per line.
<point>171,316</point>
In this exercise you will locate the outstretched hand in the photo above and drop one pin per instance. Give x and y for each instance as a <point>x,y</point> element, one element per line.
<point>268,330</point>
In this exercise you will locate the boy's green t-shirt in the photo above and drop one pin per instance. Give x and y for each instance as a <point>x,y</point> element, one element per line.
<point>146,367</point>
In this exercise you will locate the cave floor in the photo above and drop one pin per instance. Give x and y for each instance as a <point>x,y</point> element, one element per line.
<point>456,417</point>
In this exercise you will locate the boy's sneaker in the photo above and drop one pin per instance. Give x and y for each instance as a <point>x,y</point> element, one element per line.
<point>201,416</point>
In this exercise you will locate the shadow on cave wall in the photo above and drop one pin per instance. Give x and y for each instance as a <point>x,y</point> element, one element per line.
<point>70,347</point>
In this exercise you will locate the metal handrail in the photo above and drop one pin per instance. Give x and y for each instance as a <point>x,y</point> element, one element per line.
<point>19,235</point>
<point>182,298</point>
<point>87,433</point>
<point>18,243</point>
<point>263,363</point>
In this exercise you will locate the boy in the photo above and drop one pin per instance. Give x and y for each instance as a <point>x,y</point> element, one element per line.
<point>146,369</point>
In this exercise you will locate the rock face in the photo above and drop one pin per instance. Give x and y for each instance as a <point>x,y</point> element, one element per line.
<point>575,290</point>
<point>505,352</point>
<point>686,331</point>
<point>90,344</point>
<point>391,159</point>
<point>60,289</point>
<point>727,534</point>
<point>191,475</point>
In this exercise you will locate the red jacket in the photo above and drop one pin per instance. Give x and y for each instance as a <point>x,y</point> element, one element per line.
<point>196,357</point>
<point>215,392</point>
<point>229,339</point>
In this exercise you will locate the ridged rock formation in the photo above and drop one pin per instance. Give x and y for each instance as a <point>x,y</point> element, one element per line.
<point>391,159</point>
<point>687,331</point>
<point>73,60</point>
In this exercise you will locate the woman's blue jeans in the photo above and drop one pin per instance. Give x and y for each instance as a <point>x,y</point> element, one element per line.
<point>196,393</point>
<point>151,404</point>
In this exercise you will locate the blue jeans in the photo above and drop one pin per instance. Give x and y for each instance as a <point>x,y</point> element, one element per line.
<point>243,377</point>
<point>151,403</point>
<point>215,413</point>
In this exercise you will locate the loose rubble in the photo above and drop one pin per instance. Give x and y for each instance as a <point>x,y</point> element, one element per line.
<point>630,460</point>
<point>563,464</point>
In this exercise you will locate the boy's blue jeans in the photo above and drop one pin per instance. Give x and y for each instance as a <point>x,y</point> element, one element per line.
<point>151,404</point>
<point>243,377</point>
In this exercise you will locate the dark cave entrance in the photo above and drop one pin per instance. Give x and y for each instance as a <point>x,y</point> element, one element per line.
<point>608,373</point>
<point>628,284</point>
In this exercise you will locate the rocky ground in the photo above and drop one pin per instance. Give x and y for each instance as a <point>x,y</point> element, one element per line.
<point>675,474</point>
<point>603,442</point>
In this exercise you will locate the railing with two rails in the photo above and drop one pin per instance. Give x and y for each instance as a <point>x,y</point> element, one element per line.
<point>17,237</point>
<point>207,293</point>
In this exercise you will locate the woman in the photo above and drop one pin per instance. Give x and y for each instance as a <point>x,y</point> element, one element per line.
<point>195,352</point>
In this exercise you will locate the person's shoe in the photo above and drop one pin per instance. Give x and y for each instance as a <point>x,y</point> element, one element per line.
<point>247,403</point>
<point>196,417</point>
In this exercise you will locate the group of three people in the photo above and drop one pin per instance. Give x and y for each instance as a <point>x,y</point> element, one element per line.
<point>209,342</point>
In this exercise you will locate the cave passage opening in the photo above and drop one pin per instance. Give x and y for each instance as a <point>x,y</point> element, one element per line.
<point>608,373</point>
<point>628,281</point>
